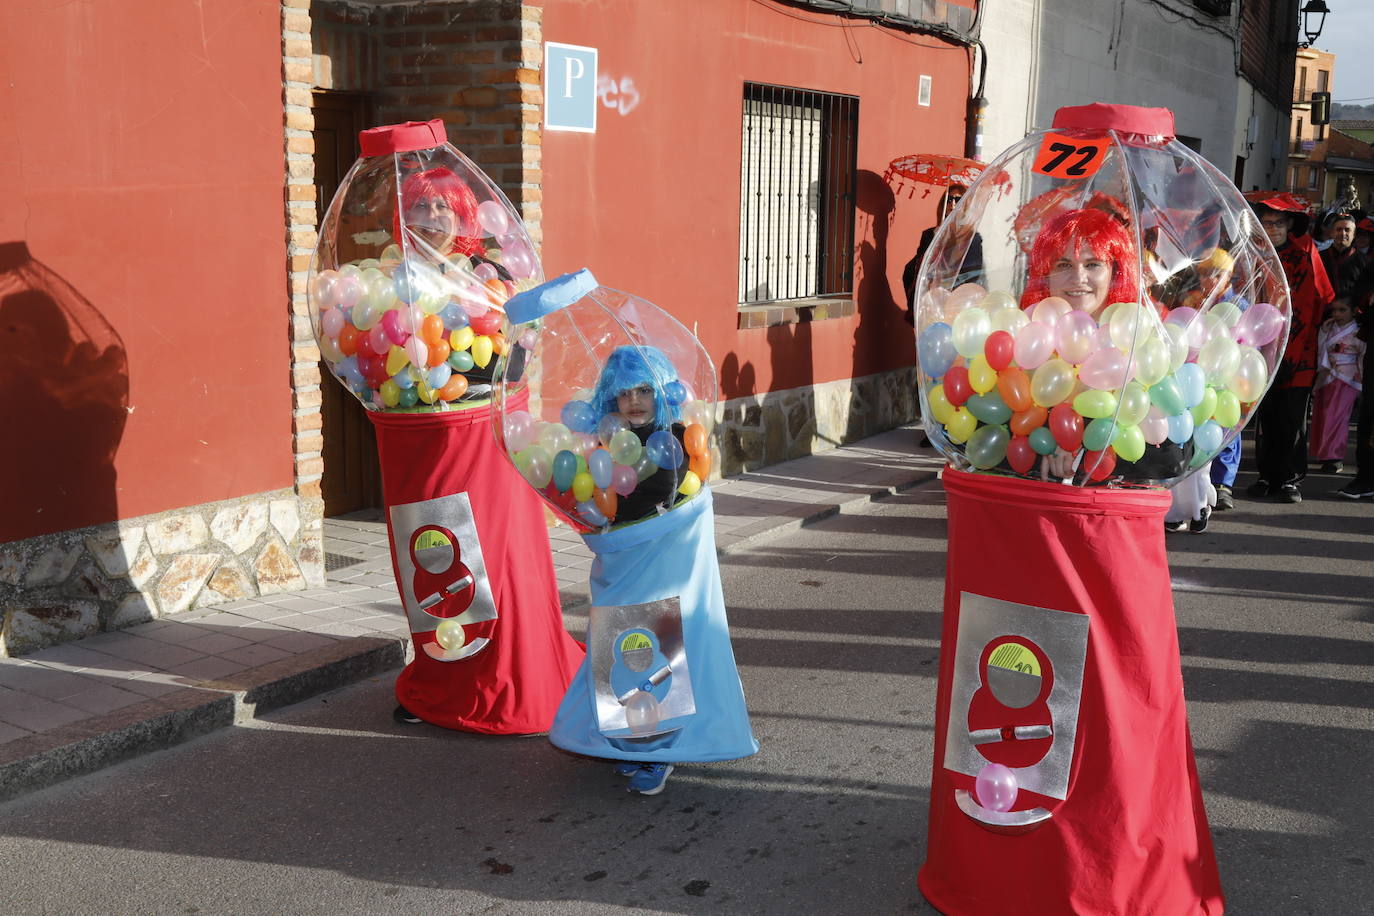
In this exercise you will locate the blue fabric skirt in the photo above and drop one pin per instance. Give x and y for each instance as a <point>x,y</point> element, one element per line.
<point>657,621</point>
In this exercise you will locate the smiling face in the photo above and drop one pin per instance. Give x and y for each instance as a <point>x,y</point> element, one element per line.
<point>637,405</point>
<point>433,220</point>
<point>1342,234</point>
<point>1081,278</point>
<point>1276,226</point>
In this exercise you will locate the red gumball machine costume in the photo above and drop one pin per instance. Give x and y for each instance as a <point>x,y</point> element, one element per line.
<point>1064,780</point>
<point>418,253</point>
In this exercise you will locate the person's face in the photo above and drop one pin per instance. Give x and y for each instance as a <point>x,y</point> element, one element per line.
<point>1342,234</point>
<point>1340,311</point>
<point>636,405</point>
<point>434,221</point>
<point>1276,226</point>
<point>1362,239</point>
<point>952,198</point>
<point>1081,278</point>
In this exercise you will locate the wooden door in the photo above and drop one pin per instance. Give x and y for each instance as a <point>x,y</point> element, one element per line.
<point>352,479</point>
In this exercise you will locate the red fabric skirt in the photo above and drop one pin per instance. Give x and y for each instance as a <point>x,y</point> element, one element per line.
<point>469,543</point>
<point>1059,661</point>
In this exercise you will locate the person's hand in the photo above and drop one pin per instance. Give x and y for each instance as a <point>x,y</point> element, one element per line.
<point>1058,466</point>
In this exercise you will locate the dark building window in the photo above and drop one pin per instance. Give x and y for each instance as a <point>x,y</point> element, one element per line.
<point>1214,7</point>
<point>798,162</point>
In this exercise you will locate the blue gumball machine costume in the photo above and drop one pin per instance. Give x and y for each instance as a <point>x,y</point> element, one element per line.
<point>659,684</point>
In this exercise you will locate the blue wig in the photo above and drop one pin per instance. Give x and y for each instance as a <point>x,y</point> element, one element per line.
<point>629,367</point>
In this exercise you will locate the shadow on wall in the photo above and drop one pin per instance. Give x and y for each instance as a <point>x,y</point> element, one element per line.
<point>880,314</point>
<point>64,383</point>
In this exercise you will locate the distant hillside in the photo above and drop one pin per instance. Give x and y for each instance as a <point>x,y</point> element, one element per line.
<point>1348,112</point>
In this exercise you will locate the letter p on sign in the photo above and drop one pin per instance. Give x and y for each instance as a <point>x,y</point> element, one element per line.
<point>569,87</point>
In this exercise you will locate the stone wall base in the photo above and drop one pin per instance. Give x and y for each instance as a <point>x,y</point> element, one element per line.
<point>760,430</point>
<point>77,583</point>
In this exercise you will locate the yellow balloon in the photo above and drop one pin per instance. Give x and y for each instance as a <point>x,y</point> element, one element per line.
<point>981,376</point>
<point>961,425</point>
<point>1228,409</point>
<point>1052,382</point>
<point>1135,404</point>
<point>691,483</point>
<point>425,392</point>
<point>449,634</point>
<point>940,407</point>
<point>1151,361</point>
<point>461,338</point>
<point>391,393</point>
<point>481,351</point>
<point>396,360</point>
<point>583,486</point>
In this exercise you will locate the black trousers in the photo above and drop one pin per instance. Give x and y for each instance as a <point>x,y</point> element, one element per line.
<point>1364,425</point>
<point>1280,432</point>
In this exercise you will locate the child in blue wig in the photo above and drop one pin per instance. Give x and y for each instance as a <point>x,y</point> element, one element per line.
<point>640,384</point>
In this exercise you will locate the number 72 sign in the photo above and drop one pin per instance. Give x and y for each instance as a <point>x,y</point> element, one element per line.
<point>1070,157</point>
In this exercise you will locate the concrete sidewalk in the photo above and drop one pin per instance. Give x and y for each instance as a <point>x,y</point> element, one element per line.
<point>75,708</point>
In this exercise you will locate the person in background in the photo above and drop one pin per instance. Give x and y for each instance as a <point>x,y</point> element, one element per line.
<point>1281,419</point>
<point>1362,487</point>
<point>1340,355</point>
<point>1344,264</point>
<point>1364,235</point>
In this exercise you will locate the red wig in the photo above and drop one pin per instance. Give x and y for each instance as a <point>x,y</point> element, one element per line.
<point>445,185</point>
<point>1109,240</point>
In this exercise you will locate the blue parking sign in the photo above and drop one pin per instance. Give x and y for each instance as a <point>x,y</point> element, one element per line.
<point>569,87</point>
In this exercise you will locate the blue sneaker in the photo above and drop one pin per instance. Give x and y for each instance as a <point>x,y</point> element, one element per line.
<point>651,778</point>
<point>628,767</point>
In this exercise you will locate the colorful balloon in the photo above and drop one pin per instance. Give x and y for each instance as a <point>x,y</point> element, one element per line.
<point>987,447</point>
<point>1066,425</point>
<point>981,376</point>
<point>1052,383</point>
<point>1034,344</point>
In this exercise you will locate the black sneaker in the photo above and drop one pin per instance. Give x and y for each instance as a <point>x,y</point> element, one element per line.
<point>1175,526</point>
<point>1259,488</point>
<point>1357,489</point>
<point>402,716</point>
<point>1332,467</point>
<point>1224,498</point>
<point>1199,524</point>
<point>1289,493</point>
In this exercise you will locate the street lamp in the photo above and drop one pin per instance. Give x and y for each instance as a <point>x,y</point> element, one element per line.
<point>1319,9</point>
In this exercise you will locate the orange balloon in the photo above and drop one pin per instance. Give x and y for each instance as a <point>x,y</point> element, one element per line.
<point>694,439</point>
<point>607,501</point>
<point>496,286</point>
<point>438,352</point>
<point>1014,386</point>
<point>499,344</point>
<point>457,386</point>
<point>1028,421</point>
<point>348,340</point>
<point>701,466</point>
<point>432,330</point>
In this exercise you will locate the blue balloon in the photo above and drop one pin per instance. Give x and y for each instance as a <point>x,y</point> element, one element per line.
<point>403,379</point>
<point>664,450</point>
<point>564,469</point>
<point>1208,436</point>
<point>1192,383</point>
<point>1181,427</point>
<point>935,349</point>
<point>347,370</point>
<point>675,392</point>
<point>454,316</point>
<point>578,416</point>
<point>591,514</point>
<point>600,464</point>
<point>439,376</point>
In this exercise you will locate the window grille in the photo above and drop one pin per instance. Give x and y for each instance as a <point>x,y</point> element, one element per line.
<point>797,168</point>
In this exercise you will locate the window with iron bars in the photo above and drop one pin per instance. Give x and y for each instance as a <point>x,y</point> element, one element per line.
<point>797,169</point>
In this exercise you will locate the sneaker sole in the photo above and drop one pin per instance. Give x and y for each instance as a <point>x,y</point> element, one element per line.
<point>658,788</point>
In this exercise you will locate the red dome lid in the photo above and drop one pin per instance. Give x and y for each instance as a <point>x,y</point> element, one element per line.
<point>402,138</point>
<point>1130,119</point>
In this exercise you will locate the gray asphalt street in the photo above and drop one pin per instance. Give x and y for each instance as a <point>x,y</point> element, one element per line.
<point>327,807</point>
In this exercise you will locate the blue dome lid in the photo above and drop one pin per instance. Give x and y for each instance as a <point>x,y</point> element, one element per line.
<point>549,296</point>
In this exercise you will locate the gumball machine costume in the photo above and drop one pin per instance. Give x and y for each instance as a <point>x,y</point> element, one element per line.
<point>418,253</point>
<point>614,436</point>
<point>1099,361</point>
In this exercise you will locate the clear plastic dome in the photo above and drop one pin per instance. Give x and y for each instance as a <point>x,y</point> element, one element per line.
<point>1102,307</point>
<point>418,254</point>
<point>606,403</point>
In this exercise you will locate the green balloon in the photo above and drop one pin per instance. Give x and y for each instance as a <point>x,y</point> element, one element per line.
<point>1099,434</point>
<point>1206,407</point>
<point>1094,403</point>
<point>987,447</point>
<point>1129,443</point>
<point>1042,440</point>
<point>1165,395</point>
<point>990,408</point>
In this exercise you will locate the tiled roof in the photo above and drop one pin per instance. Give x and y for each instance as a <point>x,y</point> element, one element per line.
<point>1352,124</point>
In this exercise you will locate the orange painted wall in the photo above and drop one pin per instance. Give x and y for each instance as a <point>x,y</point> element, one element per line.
<point>141,160</point>
<point>650,202</point>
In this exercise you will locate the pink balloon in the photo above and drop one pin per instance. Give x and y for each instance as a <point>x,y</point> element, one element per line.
<point>1260,324</point>
<point>1194,327</point>
<point>520,431</point>
<point>1049,310</point>
<point>332,322</point>
<point>492,217</point>
<point>348,290</point>
<point>418,351</point>
<point>380,339</point>
<point>1034,343</point>
<point>624,479</point>
<point>969,294</point>
<point>1155,426</point>
<point>996,787</point>
<point>1106,369</point>
<point>391,323</point>
<point>1074,336</point>
<point>484,271</point>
